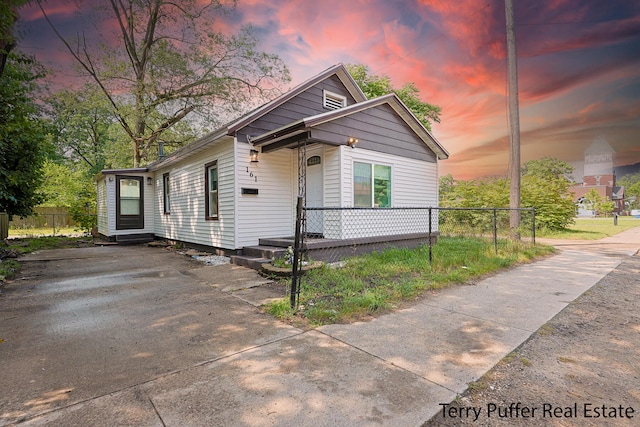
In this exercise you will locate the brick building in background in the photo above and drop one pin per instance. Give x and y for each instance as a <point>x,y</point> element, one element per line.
<point>598,173</point>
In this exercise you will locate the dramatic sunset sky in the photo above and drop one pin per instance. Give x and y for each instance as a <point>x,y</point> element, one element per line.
<point>578,62</point>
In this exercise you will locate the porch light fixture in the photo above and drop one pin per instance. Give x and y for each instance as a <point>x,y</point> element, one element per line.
<point>149,180</point>
<point>253,156</point>
<point>351,142</point>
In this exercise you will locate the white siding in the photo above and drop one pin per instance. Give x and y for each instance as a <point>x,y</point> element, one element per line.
<point>101,189</point>
<point>270,213</point>
<point>332,176</point>
<point>148,196</point>
<point>414,183</point>
<point>186,221</point>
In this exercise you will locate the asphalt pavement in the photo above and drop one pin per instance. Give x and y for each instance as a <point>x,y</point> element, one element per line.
<point>141,336</point>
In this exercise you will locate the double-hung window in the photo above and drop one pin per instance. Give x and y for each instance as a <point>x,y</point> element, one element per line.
<point>166,190</point>
<point>211,190</point>
<point>371,185</point>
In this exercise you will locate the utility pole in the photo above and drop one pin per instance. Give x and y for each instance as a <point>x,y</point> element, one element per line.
<point>514,124</point>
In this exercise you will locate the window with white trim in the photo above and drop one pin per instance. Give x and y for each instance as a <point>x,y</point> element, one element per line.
<point>333,101</point>
<point>211,190</point>
<point>166,189</point>
<point>371,185</point>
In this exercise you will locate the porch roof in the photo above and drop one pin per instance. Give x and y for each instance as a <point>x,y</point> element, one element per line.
<point>290,135</point>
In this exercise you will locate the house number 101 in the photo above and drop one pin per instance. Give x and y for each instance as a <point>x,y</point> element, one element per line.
<point>255,177</point>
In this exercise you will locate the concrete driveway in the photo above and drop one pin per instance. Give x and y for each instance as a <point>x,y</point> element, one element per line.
<point>140,336</point>
<point>84,323</point>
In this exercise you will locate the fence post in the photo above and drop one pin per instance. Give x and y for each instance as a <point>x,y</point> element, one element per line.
<point>533,224</point>
<point>495,230</point>
<point>295,282</point>
<point>430,242</point>
<point>53,215</point>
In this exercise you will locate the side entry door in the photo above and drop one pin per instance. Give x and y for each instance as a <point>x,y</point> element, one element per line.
<point>129,202</point>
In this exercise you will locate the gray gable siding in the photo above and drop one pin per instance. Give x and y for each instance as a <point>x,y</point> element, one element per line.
<point>378,129</point>
<point>306,104</point>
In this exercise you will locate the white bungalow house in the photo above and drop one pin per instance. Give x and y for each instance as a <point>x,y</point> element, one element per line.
<point>239,184</point>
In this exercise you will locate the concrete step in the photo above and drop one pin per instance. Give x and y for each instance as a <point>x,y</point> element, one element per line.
<point>134,239</point>
<point>248,261</point>
<point>262,251</point>
<point>277,242</point>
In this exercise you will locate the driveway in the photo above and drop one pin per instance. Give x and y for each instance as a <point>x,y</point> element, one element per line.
<point>144,337</point>
<point>83,323</point>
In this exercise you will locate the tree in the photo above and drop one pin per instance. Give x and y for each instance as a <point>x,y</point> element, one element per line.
<point>74,189</point>
<point>546,187</point>
<point>597,203</point>
<point>547,167</point>
<point>631,184</point>
<point>83,124</point>
<point>164,64</point>
<point>8,18</point>
<point>374,86</point>
<point>22,136</point>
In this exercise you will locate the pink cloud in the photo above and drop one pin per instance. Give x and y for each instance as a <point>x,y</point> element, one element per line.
<point>455,54</point>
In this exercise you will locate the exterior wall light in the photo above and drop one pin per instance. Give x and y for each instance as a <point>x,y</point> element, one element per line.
<point>351,142</point>
<point>253,156</point>
<point>149,180</point>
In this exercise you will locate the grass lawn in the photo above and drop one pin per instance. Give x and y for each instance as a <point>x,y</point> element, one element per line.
<point>39,232</point>
<point>592,228</point>
<point>382,280</point>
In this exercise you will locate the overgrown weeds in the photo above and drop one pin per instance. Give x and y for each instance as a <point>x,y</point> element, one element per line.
<point>380,281</point>
<point>9,267</point>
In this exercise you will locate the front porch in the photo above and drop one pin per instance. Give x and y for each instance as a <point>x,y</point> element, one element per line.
<point>328,250</point>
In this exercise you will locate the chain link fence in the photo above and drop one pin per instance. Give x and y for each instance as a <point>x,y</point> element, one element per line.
<point>332,235</point>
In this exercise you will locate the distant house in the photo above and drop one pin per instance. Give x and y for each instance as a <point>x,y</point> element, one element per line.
<point>598,173</point>
<point>239,184</point>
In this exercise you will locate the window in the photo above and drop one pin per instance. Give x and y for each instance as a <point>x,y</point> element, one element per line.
<point>211,190</point>
<point>130,196</point>
<point>167,193</point>
<point>381,186</point>
<point>361,185</point>
<point>333,101</point>
<point>314,160</point>
<point>371,185</point>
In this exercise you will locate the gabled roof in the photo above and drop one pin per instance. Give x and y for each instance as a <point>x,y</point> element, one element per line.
<point>286,133</point>
<point>339,70</point>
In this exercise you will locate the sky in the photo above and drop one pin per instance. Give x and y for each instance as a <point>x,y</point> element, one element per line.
<point>578,65</point>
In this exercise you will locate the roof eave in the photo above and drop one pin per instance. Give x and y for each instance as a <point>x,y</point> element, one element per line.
<point>338,69</point>
<point>189,149</point>
<point>395,103</point>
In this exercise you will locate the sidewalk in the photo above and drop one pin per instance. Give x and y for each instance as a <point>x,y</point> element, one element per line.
<point>394,370</point>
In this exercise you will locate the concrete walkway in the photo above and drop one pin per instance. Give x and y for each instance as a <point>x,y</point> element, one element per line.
<point>392,371</point>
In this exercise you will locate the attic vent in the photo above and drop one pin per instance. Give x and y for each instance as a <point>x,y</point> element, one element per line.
<point>333,101</point>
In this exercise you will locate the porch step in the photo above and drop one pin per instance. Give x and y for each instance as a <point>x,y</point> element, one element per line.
<point>133,239</point>
<point>263,251</point>
<point>283,242</point>
<point>249,261</point>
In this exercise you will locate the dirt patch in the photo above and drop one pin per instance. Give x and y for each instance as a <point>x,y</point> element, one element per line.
<point>581,368</point>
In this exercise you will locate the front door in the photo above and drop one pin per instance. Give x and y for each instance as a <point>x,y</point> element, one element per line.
<point>314,193</point>
<point>129,202</point>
